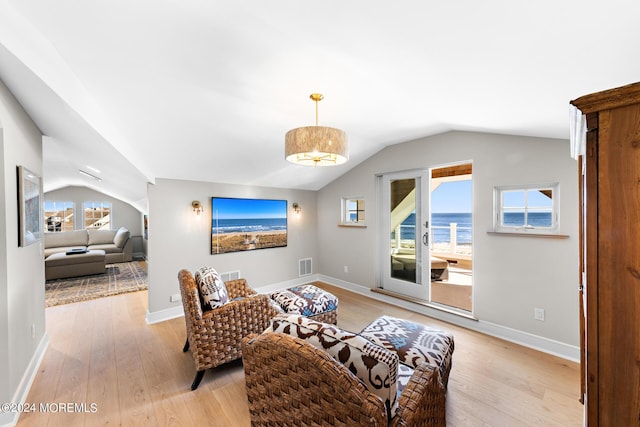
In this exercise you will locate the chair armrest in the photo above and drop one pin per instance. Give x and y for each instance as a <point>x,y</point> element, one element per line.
<point>291,382</point>
<point>253,314</point>
<point>423,400</point>
<point>238,288</point>
<point>190,295</point>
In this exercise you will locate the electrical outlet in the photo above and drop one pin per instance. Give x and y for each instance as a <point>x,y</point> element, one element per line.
<point>175,298</point>
<point>346,268</point>
<point>33,331</point>
<point>538,314</point>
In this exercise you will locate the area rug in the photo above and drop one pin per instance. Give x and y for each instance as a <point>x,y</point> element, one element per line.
<point>119,278</point>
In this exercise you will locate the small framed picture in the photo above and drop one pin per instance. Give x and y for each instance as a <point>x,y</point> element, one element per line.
<point>30,221</point>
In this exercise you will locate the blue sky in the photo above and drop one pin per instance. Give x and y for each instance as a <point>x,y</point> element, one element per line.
<point>229,208</point>
<point>534,199</point>
<point>452,197</point>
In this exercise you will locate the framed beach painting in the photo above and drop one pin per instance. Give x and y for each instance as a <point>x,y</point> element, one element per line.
<point>247,224</point>
<point>30,220</point>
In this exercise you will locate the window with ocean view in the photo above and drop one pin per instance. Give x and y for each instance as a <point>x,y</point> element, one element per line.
<point>352,211</point>
<point>526,208</point>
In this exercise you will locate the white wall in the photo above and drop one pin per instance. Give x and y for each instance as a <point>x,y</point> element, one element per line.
<point>21,268</point>
<point>5,387</point>
<point>179,239</point>
<point>512,275</point>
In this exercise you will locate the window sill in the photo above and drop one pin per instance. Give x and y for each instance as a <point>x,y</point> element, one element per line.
<point>520,234</point>
<point>352,225</point>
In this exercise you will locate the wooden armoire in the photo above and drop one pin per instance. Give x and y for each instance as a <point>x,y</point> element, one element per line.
<point>610,257</point>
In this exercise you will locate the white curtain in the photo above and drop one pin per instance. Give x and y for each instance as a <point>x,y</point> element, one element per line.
<point>577,132</point>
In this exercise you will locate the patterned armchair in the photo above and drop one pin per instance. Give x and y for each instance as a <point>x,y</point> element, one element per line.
<point>301,372</point>
<point>215,336</point>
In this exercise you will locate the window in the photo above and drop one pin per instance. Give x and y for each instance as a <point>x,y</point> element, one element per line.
<point>58,216</point>
<point>527,209</point>
<point>97,215</point>
<point>352,211</point>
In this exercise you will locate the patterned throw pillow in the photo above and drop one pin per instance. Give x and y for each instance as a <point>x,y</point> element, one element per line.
<point>213,292</point>
<point>375,366</point>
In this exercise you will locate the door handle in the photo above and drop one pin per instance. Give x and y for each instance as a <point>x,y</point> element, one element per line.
<point>425,236</point>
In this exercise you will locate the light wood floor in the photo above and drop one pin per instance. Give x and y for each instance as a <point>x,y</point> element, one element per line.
<point>103,352</point>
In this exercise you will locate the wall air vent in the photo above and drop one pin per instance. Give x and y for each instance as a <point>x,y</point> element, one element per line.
<point>230,275</point>
<point>305,267</point>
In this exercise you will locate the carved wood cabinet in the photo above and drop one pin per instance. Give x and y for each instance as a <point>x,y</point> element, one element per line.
<point>610,257</point>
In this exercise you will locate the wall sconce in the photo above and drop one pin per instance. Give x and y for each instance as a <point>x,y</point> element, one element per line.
<point>296,207</point>
<point>197,207</point>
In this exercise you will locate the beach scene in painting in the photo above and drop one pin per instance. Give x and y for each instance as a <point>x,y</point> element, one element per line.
<point>247,224</point>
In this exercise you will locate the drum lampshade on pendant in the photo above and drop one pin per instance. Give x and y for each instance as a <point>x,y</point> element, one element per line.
<point>316,145</point>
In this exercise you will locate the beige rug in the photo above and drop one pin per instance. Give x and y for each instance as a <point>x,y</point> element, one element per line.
<point>119,278</point>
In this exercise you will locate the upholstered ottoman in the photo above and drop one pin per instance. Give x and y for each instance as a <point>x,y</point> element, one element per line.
<point>308,301</point>
<point>61,266</point>
<point>414,343</point>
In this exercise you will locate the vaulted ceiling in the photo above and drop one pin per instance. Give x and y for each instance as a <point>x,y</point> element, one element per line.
<point>206,90</point>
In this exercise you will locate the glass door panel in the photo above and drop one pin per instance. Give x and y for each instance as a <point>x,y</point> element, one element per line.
<point>404,250</point>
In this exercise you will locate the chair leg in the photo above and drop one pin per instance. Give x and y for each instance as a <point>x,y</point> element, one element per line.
<point>186,346</point>
<point>197,379</point>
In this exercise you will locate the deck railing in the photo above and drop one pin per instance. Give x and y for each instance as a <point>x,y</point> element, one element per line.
<point>443,238</point>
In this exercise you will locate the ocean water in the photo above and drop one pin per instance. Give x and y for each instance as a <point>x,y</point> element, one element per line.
<point>440,232</point>
<point>248,225</point>
<point>536,219</point>
<point>440,223</point>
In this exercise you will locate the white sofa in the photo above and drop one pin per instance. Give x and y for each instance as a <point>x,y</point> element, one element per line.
<point>116,244</point>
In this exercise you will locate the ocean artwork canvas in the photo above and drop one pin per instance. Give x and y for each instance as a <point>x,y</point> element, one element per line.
<point>247,224</point>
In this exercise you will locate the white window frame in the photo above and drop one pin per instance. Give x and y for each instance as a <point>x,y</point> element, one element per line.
<point>96,205</point>
<point>60,205</point>
<point>500,209</point>
<point>346,210</point>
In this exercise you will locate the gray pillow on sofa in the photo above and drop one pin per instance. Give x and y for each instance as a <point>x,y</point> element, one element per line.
<point>100,237</point>
<point>121,237</point>
<point>75,238</point>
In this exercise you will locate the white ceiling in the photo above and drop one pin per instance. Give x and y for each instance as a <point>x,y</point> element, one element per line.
<point>205,90</point>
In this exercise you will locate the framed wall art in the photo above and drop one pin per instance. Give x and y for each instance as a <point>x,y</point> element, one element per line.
<point>247,224</point>
<point>30,221</point>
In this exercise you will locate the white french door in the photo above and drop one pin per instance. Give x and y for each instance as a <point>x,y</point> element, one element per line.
<point>404,230</point>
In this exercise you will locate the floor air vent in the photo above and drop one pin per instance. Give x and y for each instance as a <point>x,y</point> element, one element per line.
<point>305,267</point>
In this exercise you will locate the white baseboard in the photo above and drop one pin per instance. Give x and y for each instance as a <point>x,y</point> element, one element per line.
<point>11,418</point>
<point>288,284</point>
<point>166,314</point>
<point>526,339</point>
<point>178,311</point>
<point>546,345</point>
